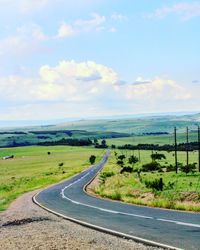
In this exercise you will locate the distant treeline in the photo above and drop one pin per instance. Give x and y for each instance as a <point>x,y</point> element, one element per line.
<point>156,133</point>
<point>191,146</point>
<point>68,142</point>
<point>52,132</point>
<point>13,133</point>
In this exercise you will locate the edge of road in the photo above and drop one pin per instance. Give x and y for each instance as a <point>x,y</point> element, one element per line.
<point>98,228</point>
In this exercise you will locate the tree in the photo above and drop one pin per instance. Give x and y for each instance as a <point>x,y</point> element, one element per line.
<point>92,159</point>
<point>157,156</point>
<point>95,141</point>
<point>121,157</point>
<point>103,144</point>
<point>133,159</point>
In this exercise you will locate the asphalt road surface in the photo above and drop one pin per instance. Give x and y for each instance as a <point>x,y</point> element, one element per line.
<point>172,228</point>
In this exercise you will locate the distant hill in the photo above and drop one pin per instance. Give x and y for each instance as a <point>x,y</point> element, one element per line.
<point>140,125</point>
<point>135,125</point>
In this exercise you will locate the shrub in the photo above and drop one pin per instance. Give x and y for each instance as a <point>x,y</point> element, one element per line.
<point>170,185</point>
<point>127,170</point>
<point>105,175</point>
<point>170,168</point>
<point>92,159</point>
<point>157,156</point>
<point>61,164</point>
<point>152,166</point>
<point>156,184</point>
<point>120,163</point>
<point>133,159</point>
<point>188,168</point>
<point>121,157</point>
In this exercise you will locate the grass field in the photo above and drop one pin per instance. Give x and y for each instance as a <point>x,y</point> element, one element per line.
<point>152,139</point>
<point>181,191</point>
<point>32,168</point>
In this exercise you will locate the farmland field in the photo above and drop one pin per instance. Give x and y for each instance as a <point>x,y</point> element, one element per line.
<point>33,168</point>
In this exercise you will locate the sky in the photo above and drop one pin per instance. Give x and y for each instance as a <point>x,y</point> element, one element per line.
<point>87,58</point>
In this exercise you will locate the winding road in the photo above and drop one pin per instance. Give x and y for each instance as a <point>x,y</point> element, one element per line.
<point>157,227</point>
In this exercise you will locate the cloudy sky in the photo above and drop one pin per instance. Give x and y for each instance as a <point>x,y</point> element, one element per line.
<point>84,58</point>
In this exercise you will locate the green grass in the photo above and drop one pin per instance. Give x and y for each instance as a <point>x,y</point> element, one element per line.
<point>152,139</point>
<point>131,188</point>
<point>32,168</point>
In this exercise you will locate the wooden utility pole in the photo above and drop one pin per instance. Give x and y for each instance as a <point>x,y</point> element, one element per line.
<point>187,148</point>
<point>199,145</point>
<point>139,155</point>
<point>175,148</point>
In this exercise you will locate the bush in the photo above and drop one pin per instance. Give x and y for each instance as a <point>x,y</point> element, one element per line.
<point>170,168</point>
<point>133,159</point>
<point>187,169</point>
<point>156,184</point>
<point>152,166</point>
<point>127,170</point>
<point>121,157</point>
<point>157,156</point>
<point>105,175</point>
<point>92,159</point>
<point>170,185</point>
<point>61,164</point>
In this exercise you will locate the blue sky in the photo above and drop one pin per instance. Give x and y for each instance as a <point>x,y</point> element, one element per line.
<point>63,58</point>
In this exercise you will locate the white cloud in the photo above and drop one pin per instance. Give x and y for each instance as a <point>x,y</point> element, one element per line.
<point>94,24</point>
<point>65,30</point>
<point>27,40</point>
<point>157,89</point>
<point>113,30</point>
<point>184,10</point>
<point>25,5</point>
<point>118,17</point>
<point>88,88</point>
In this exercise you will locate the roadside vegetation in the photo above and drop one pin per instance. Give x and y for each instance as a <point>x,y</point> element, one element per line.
<point>36,167</point>
<point>149,178</point>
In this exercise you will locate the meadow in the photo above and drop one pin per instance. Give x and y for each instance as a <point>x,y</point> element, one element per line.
<point>181,191</point>
<point>152,139</point>
<point>33,168</point>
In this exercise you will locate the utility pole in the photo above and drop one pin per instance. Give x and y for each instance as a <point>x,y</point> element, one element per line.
<point>187,147</point>
<point>175,148</point>
<point>199,145</point>
<point>139,155</point>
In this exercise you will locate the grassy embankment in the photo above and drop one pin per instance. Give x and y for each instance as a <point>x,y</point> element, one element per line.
<point>32,168</point>
<point>181,191</point>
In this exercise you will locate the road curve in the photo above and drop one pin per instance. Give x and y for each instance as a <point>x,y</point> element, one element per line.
<point>170,229</point>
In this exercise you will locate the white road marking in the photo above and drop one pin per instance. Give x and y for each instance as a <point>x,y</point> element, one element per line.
<point>118,212</point>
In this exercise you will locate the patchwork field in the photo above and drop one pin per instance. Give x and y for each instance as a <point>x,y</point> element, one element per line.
<point>33,168</point>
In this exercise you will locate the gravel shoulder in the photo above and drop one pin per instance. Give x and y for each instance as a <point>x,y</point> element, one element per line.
<point>26,226</point>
